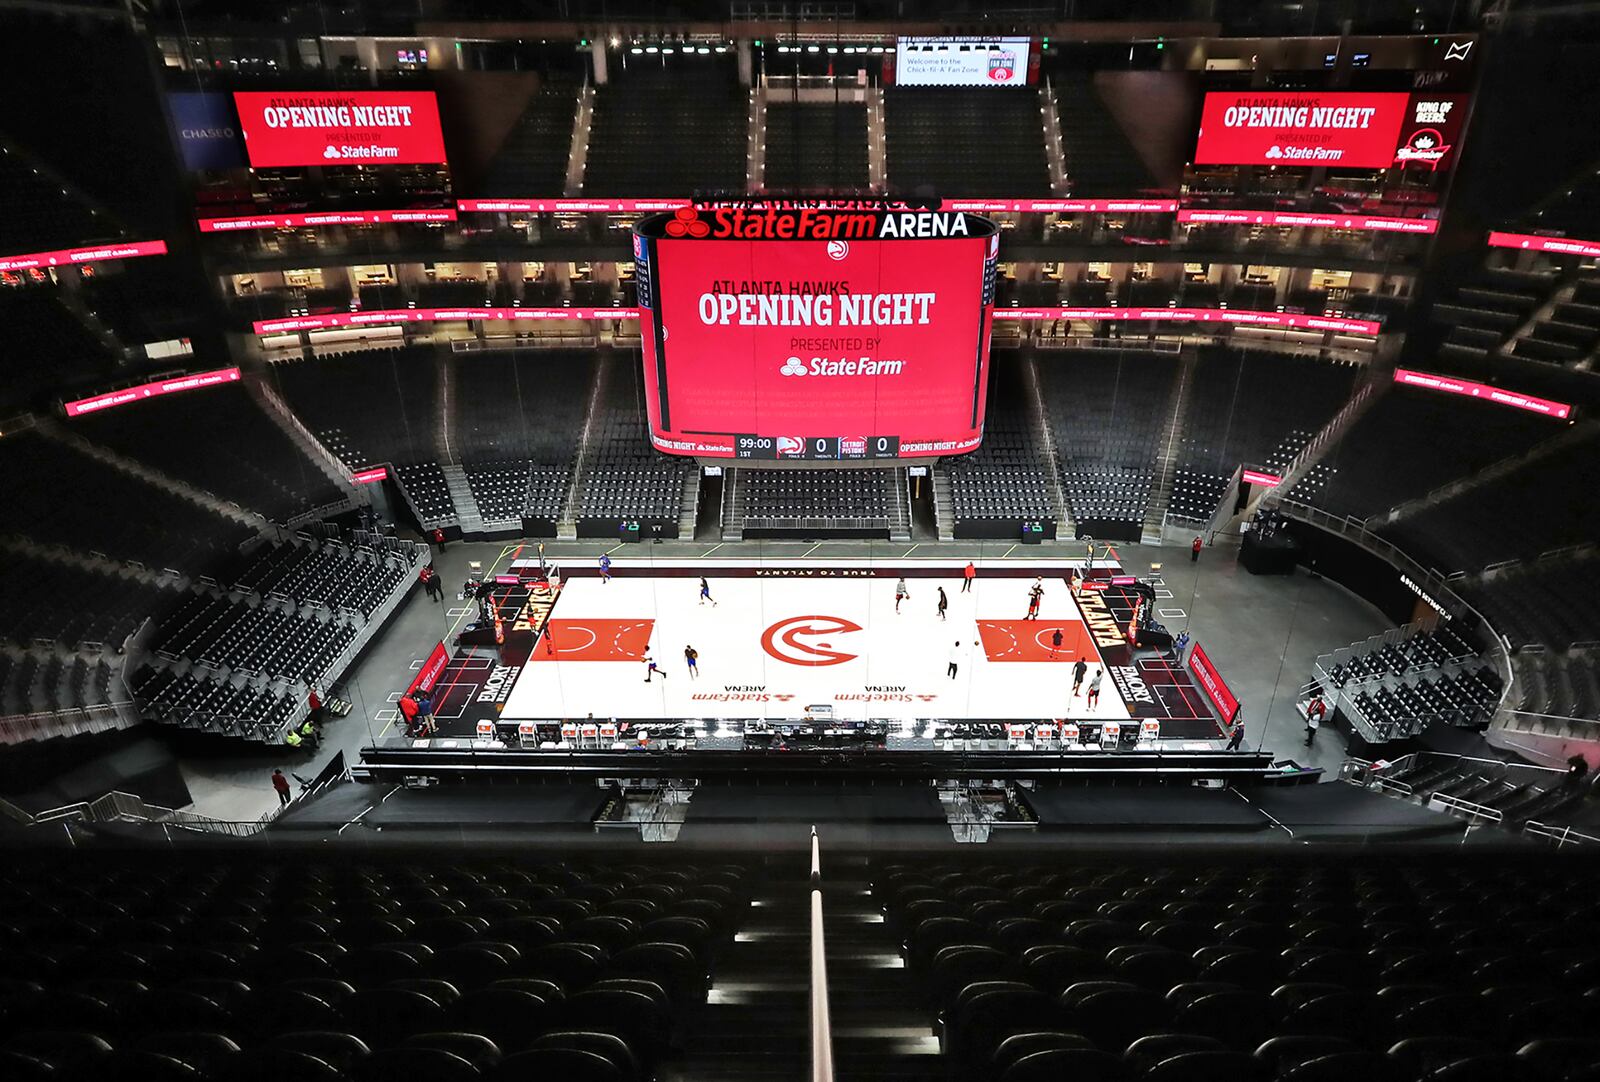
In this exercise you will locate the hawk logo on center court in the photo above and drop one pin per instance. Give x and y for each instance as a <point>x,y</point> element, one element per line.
<point>780,640</point>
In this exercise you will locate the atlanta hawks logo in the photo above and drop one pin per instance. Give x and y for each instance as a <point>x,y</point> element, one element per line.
<point>780,640</point>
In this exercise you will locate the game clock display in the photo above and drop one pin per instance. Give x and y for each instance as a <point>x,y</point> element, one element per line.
<point>816,448</point>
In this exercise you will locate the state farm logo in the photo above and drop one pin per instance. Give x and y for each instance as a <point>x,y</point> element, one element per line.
<point>781,640</point>
<point>792,367</point>
<point>838,249</point>
<point>686,223</point>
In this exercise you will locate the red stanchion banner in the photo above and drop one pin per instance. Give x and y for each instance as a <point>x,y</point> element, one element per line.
<point>1213,685</point>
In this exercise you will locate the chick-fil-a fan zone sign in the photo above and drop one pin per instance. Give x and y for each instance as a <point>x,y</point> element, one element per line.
<point>1498,395</point>
<point>192,382</point>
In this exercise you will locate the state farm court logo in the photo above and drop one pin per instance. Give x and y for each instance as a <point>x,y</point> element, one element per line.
<point>782,640</point>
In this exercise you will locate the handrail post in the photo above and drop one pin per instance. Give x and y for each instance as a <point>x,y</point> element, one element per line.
<point>821,1025</point>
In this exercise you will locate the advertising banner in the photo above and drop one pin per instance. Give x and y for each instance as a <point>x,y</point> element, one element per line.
<point>1430,138</point>
<point>1318,220</point>
<point>191,382</point>
<point>1257,477</point>
<point>1211,682</point>
<point>432,668</point>
<point>370,476</point>
<point>208,130</point>
<point>359,127</point>
<point>423,315</point>
<point>562,205</point>
<point>1534,242</point>
<point>859,348</point>
<point>1238,316</point>
<point>961,62</point>
<point>1498,395</point>
<point>1346,129</point>
<point>326,217</point>
<point>99,253</point>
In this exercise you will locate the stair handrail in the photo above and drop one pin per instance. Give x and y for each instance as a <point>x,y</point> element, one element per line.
<point>821,1023</point>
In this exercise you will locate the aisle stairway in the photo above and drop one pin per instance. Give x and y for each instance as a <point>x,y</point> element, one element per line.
<point>879,1029</point>
<point>461,494</point>
<point>756,1023</point>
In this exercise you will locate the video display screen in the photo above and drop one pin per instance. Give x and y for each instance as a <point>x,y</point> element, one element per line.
<point>815,335</point>
<point>361,127</point>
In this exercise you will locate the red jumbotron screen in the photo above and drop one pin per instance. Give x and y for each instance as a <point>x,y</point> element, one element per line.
<point>1351,129</point>
<point>815,334</point>
<point>356,127</point>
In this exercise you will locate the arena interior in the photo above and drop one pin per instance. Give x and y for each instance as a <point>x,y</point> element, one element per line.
<point>926,541</point>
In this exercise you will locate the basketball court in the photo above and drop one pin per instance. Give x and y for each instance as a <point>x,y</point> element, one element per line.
<point>780,643</point>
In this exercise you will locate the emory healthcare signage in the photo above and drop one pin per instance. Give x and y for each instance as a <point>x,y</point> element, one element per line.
<point>191,382</point>
<point>1497,395</point>
<point>1351,129</point>
<point>1215,687</point>
<point>362,127</point>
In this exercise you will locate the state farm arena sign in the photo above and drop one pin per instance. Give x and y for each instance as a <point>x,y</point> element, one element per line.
<point>394,127</point>
<point>1349,129</point>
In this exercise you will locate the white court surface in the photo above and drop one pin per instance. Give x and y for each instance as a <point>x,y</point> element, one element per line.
<point>774,646</point>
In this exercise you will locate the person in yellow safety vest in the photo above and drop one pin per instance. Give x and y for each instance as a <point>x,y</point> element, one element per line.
<point>308,733</point>
<point>292,739</point>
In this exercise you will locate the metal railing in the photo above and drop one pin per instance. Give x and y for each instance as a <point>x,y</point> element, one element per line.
<point>821,1023</point>
<point>1559,835</point>
<point>120,807</point>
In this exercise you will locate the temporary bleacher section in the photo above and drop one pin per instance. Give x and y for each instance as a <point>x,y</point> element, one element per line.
<point>1412,441</point>
<point>49,349</point>
<point>1394,685</point>
<point>533,158</point>
<point>42,212</point>
<point>518,419</point>
<point>970,142</point>
<point>60,496</point>
<point>1535,509</point>
<point>621,477</point>
<point>1253,410</point>
<point>46,693</point>
<point>1003,484</point>
<point>668,130</point>
<point>338,970</point>
<point>1107,413</point>
<point>836,502</point>
<point>815,145</point>
<point>220,441</point>
<point>1099,158</point>
<point>236,656</point>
